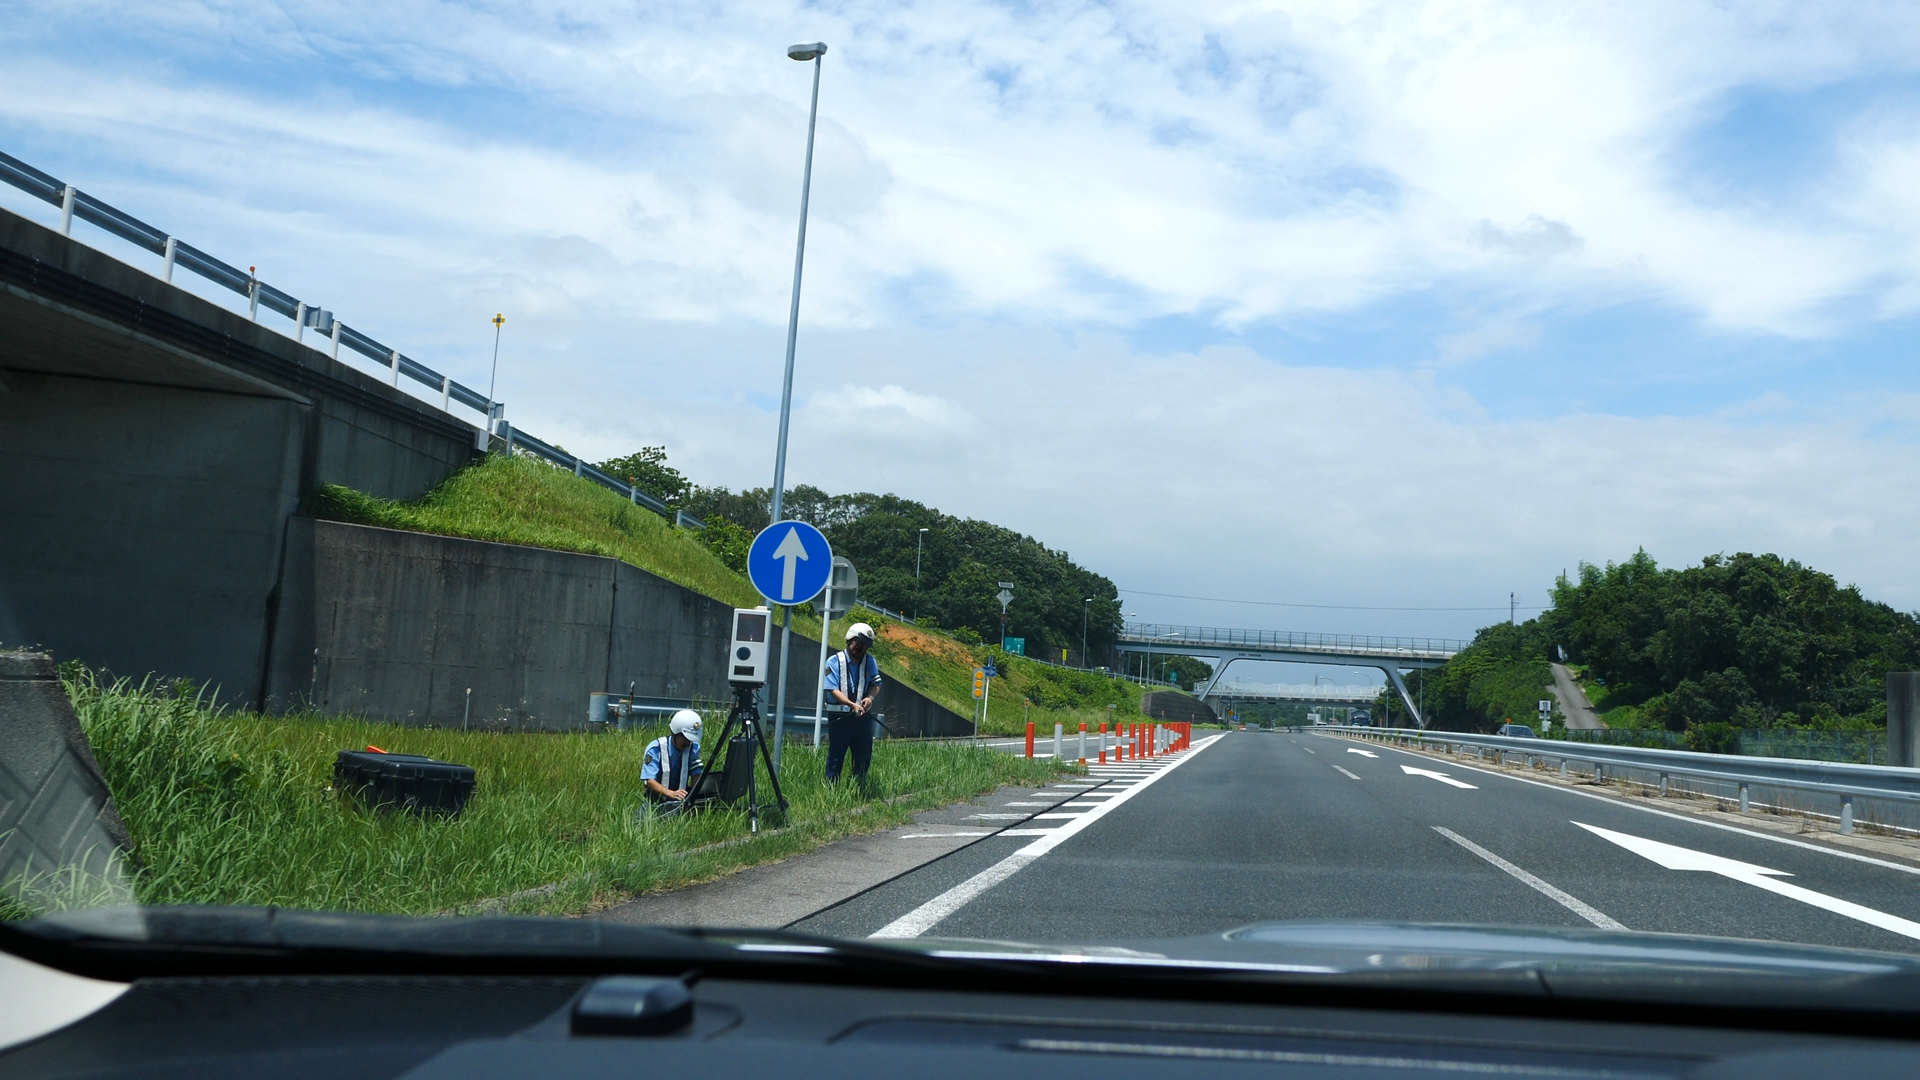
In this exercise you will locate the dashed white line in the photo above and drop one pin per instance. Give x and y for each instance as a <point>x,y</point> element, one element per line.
<point>1350,776</point>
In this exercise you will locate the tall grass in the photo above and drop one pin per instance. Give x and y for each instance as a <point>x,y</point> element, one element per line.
<point>235,808</point>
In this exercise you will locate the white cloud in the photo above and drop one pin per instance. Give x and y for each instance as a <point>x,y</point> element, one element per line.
<point>1000,193</point>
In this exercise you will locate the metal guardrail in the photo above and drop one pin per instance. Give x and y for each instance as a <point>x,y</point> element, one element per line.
<point>1168,635</point>
<point>176,253</point>
<point>1848,782</point>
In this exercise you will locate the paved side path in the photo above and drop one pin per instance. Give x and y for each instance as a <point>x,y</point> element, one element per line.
<point>1573,701</point>
<point>785,892</point>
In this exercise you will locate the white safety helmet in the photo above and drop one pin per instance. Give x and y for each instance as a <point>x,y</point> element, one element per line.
<point>685,722</point>
<point>860,630</point>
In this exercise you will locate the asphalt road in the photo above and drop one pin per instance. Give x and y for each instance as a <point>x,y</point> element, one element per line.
<point>1257,826</point>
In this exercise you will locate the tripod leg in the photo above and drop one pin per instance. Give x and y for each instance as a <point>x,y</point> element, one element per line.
<point>773,774</point>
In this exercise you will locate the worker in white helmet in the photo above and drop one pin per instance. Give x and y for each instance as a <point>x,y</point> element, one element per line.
<point>853,681</point>
<point>672,764</point>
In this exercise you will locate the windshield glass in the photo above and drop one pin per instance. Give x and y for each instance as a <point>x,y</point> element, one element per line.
<point>1025,476</point>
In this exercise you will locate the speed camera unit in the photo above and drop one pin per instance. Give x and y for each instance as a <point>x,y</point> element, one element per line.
<point>747,655</point>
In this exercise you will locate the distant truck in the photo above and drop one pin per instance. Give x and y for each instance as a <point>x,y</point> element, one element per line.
<point>1360,717</point>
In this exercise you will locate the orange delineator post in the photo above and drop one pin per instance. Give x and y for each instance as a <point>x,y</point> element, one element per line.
<point>1083,740</point>
<point>1029,738</point>
<point>1103,742</point>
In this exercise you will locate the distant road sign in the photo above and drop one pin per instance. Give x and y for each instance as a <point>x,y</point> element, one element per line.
<point>992,672</point>
<point>789,562</point>
<point>1015,645</point>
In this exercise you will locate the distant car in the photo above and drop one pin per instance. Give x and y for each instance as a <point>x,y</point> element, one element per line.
<point>1516,731</point>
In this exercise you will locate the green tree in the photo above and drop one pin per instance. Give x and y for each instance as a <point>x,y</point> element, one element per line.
<point>647,469</point>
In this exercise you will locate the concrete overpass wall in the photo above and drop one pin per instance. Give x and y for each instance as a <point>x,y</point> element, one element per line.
<point>156,445</point>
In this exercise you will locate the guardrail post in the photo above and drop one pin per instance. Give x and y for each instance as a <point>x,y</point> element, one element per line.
<point>336,339</point>
<point>66,209</point>
<point>1663,785</point>
<point>446,393</point>
<point>299,314</point>
<point>393,360</point>
<point>1743,798</point>
<point>1029,739</point>
<point>166,260</point>
<point>576,465</point>
<point>1846,813</point>
<point>1563,768</point>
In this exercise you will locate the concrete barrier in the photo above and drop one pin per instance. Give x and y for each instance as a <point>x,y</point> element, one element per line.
<point>60,837</point>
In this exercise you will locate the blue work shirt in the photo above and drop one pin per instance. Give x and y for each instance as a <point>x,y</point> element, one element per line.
<point>866,676</point>
<point>681,764</point>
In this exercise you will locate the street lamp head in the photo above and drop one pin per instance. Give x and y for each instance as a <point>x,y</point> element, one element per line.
<point>806,52</point>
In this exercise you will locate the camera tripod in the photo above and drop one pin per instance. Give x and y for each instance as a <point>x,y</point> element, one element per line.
<point>746,713</point>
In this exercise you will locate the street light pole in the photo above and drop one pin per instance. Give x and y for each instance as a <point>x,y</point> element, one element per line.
<point>801,53</point>
<point>499,320</point>
<point>1086,608</point>
<point>919,542</point>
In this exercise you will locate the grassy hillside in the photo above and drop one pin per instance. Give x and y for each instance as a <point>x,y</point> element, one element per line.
<point>520,500</point>
<point>235,808</point>
<point>523,501</point>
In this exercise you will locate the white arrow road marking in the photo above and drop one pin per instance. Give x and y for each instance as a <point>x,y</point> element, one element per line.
<point>1571,903</point>
<point>1760,877</point>
<point>1345,773</point>
<point>1362,753</point>
<point>923,918</point>
<point>1440,776</point>
<point>791,551</point>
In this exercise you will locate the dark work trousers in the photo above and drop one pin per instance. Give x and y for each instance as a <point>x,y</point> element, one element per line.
<point>848,732</point>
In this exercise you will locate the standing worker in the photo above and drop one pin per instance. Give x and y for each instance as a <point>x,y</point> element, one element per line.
<point>672,765</point>
<point>853,681</point>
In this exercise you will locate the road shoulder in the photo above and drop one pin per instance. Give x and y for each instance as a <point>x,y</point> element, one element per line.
<point>781,893</point>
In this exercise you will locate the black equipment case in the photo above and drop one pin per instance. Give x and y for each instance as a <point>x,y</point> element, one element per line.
<point>404,781</point>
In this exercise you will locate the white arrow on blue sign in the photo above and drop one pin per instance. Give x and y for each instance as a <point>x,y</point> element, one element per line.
<point>789,562</point>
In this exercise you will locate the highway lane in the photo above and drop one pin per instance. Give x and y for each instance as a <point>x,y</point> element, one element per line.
<point>1260,826</point>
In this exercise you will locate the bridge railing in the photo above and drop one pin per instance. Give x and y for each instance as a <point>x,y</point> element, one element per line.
<point>177,254</point>
<point>1166,634</point>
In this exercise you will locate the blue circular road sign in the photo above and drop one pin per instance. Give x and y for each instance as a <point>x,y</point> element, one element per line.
<point>789,562</point>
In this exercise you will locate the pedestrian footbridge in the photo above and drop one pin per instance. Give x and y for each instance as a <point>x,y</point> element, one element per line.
<point>1392,655</point>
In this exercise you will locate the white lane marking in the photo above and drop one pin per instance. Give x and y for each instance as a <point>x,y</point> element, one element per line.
<point>1350,776</point>
<point>996,817</point>
<point>1026,804</point>
<point>927,915</point>
<point>1440,776</point>
<point>1566,900</point>
<point>936,835</point>
<point>1028,832</point>
<point>1038,817</point>
<point>1688,818</point>
<point>1362,753</point>
<point>1760,877</point>
<point>1308,749</point>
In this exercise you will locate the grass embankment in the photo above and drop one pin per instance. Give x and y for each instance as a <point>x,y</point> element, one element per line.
<point>517,500</point>
<point>942,668</point>
<point>233,808</point>
<point>523,501</point>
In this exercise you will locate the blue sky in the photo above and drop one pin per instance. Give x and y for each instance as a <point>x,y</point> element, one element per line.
<point>1371,304</point>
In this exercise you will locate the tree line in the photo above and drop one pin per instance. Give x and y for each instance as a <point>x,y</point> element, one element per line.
<point>1741,641</point>
<point>961,560</point>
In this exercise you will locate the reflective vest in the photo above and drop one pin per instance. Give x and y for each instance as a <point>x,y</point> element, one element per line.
<point>669,778</point>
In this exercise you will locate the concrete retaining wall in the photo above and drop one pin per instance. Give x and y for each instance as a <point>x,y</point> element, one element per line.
<point>397,626</point>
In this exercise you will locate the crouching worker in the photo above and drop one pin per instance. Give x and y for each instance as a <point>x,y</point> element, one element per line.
<point>672,765</point>
<point>853,681</point>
